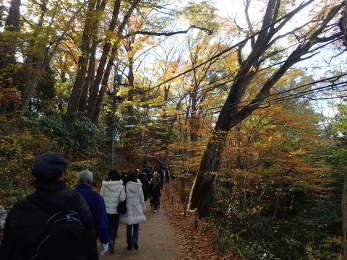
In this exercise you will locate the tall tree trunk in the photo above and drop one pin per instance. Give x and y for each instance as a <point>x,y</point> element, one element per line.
<point>94,88</point>
<point>90,78</point>
<point>103,88</point>
<point>344,194</point>
<point>130,108</point>
<point>343,22</point>
<point>100,97</point>
<point>201,194</point>
<point>82,60</point>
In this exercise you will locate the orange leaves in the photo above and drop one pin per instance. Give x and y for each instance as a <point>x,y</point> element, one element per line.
<point>9,99</point>
<point>194,243</point>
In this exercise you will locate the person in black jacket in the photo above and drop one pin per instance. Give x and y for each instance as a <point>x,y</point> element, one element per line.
<point>26,221</point>
<point>145,185</point>
<point>155,191</point>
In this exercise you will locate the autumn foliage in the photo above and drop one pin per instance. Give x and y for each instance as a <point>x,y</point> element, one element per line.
<point>237,108</point>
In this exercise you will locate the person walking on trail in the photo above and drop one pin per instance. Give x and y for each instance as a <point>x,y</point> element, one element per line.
<point>167,175</point>
<point>97,206</point>
<point>146,172</point>
<point>3,215</point>
<point>53,223</point>
<point>145,184</point>
<point>134,215</point>
<point>155,189</point>
<point>113,192</point>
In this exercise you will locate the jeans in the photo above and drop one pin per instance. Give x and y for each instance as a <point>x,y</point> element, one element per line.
<point>133,234</point>
<point>113,224</point>
<point>156,202</point>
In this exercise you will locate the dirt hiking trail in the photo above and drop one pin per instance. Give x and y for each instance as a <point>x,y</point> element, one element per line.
<point>157,240</point>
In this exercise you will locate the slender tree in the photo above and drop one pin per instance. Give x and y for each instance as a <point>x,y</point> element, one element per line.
<point>83,59</point>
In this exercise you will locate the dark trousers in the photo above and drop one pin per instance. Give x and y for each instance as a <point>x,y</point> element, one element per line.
<point>113,224</point>
<point>133,234</point>
<point>156,202</point>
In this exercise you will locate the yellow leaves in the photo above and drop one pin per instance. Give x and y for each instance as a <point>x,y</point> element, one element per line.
<point>215,173</point>
<point>298,152</point>
<point>256,209</point>
<point>83,163</point>
<point>123,91</point>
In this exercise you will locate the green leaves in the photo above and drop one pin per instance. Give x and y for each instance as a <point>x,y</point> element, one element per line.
<point>73,131</point>
<point>200,14</point>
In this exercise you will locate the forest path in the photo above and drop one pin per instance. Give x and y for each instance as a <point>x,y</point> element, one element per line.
<point>157,240</point>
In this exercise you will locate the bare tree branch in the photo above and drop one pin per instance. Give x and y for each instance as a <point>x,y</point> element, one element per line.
<point>247,3</point>
<point>208,31</point>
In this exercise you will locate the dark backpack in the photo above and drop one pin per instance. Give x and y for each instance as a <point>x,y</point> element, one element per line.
<point>64,236</point>
<point>122,206</point>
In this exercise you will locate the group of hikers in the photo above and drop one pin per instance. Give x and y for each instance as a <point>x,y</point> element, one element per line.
<point>58,223</point>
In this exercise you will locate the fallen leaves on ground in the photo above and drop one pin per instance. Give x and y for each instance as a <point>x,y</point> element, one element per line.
<point>193,243</point>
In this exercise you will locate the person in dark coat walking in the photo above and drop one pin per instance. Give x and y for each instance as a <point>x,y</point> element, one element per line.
<point>97,206</point>
<point>155,190</point>
<point>145,184</point>
<point>25,224</point>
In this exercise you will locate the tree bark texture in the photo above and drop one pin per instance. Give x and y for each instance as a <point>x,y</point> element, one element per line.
<point>90,78</point>
<point>94,88</point>
<point>343,23</point>
<point>82,60</point>
<point>113,55</point>
<point>131,79</point>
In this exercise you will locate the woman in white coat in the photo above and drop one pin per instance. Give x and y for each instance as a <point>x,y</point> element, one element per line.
<point>113,192</point>
<point>135,205</point>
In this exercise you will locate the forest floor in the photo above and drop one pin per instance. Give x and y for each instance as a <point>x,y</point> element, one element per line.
<point>169,235</point>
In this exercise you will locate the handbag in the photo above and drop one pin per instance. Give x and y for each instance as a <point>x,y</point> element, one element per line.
<point>122,206</point>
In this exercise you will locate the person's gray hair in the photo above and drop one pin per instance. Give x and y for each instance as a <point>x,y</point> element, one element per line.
<point>86,177</point>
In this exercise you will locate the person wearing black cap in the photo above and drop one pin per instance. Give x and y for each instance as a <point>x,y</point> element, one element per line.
<point>27,222</point>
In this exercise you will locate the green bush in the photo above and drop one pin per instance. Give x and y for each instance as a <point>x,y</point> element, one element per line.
<point>74,132</point>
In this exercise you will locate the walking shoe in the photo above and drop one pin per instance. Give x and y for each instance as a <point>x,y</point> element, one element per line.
<point>111,247</point>
<point>136,246</point>
<point>129,247</point>
<point>154,211</point>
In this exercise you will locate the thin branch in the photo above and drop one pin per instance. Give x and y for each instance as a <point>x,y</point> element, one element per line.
<point>248,2</point>
<point>208,31</point>
<point>290,14</point>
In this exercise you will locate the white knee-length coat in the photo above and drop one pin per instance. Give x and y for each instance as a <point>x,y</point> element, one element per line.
<point>135,204</point>
<point>113,193</point>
